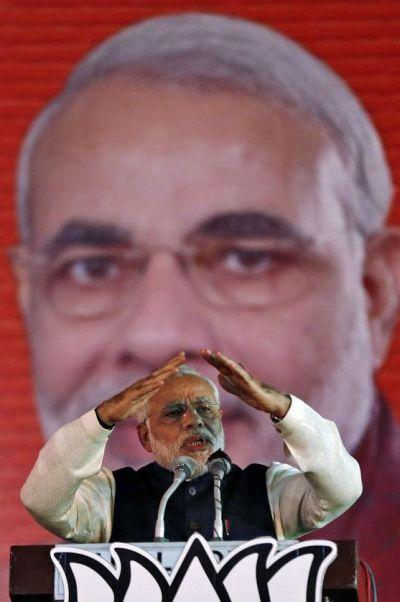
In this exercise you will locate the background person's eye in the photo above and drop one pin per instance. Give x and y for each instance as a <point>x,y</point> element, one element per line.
<point>90,270</point>
<point>245,261</point>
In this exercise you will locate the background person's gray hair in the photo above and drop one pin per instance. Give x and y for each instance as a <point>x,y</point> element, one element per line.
<point>183,370</point>
<point>214,52</point>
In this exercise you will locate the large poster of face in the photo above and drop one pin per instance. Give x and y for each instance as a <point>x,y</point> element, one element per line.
<point>202,180</point>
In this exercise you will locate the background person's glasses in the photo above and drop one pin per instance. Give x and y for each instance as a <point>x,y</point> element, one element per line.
<point>92,282</point>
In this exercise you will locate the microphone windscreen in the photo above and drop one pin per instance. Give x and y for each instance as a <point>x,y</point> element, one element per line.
<point>219,461</point>
<point>184,464</point>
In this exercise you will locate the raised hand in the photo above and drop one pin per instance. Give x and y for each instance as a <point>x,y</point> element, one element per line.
<point>134,398</point>
<point>235,379</point>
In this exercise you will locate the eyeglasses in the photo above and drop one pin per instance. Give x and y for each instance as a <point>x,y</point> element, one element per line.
<point>174,412</point>
<point>94,282</point>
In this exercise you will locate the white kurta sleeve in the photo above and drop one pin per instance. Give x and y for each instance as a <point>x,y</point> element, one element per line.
<point>67,491</point>
<point>329,479</point>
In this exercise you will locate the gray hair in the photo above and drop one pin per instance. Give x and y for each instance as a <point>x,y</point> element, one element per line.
<point>183,370</point>
<point>214,52</point>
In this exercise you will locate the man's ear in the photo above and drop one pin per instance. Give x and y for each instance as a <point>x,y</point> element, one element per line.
<point>22,276</point>
<point>382,285</point>
<point>143,434</point>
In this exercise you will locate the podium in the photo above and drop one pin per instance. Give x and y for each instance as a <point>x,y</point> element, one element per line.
<point>32,571</point>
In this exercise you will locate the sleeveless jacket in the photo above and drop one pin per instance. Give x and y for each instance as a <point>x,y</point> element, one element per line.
<point>246,511</point>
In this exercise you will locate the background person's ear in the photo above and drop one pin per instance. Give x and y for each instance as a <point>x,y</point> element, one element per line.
<point>143,434</point>
<point>382,285</point>
<point>23,278</point>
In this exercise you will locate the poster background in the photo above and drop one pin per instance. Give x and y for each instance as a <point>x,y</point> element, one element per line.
<point>39,42</point>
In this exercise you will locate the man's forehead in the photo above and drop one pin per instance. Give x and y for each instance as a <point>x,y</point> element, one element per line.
<point>183,388</point>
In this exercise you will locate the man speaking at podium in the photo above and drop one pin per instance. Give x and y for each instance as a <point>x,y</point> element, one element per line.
<point>178,414</point>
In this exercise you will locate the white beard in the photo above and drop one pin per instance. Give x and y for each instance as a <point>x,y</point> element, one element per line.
<point>165,454</point>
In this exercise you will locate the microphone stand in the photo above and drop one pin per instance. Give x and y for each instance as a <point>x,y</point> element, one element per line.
<point>218,529</point>
<point>219,464</point>
<point>183,468</point>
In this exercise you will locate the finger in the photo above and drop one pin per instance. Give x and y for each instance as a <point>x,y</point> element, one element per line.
<point>174,362</point>
<point>222,364</point>
<point>143,399</point>
<point>167,369</point>
<point>153,384</point>
<point>167,374</point>
<point>232,367</point>
<point>235,385</point>
<point>227,384</point>
<point>210,357</point>
<point>141,387</point>
<point>138,407</point>
<point>268,388</point>
<point>159,376</point>
<point>227,367</point>
<point>170,365</point>
<point>150,385</point>
<point>178,358</point>
<point>227,361</point>
<point>220,361</point>
<point>141,402</point>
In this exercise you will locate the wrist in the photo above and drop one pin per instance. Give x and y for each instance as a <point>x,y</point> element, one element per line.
<point>103,418</point>
<point>282,409</point>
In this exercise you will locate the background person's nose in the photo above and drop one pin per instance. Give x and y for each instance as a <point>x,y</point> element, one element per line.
<point>163,316</point>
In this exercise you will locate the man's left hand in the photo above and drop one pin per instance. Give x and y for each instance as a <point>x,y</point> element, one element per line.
<point>235,379</point>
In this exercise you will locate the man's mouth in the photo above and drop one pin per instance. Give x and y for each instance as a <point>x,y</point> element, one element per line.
<point>196,443</point>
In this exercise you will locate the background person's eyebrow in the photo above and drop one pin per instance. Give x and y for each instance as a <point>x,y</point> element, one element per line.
<point>249,224</point>
<point>83,233</point>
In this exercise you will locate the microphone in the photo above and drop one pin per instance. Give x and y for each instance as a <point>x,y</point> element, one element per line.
<point>183,468</point>
<point>219,464</point>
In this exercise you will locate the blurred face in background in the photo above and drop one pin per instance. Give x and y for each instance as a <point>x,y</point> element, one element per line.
<point>166,218</point>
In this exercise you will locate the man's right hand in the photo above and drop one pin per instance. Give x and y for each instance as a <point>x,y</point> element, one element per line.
<point>132,400</point>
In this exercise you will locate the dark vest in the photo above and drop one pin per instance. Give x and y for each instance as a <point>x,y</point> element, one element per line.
<point>246,511</point>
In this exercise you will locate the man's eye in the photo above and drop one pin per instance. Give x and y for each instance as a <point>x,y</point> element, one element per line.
<point>203,409</point>
<point>175,412</point>
<point>90,270</point>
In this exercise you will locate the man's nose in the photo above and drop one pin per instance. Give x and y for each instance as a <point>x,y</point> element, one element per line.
<point>164,315</point>
<point>191,418</point>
